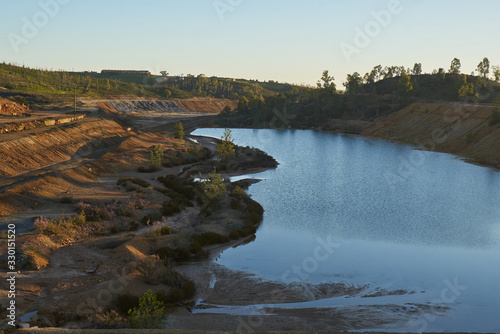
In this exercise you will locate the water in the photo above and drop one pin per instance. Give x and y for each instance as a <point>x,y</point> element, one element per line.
<point>365,211</point>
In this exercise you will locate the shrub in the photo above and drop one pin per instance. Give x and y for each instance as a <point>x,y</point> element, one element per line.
<point>95,213</point>
<point>80,219</point>
<point>149,219</point>
<point>156,155</point>
<point>123,180</point>
<point>171,207</point>
<point>179,131</point>
<point>173,254</point>
<point>197,250</point>
<point>238,192</point>
<point>165,230</point>
<point>149,313</point>
<point>182,288</point>
<point>225,150</point>
<point>133,226</point>
<point>40,224</point>
<point>137,202</point>
<point>108,320</point>
<point>214,187</point>
<point>178,185</point>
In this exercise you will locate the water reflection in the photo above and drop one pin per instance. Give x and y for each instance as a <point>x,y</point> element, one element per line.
<point>436,219</point>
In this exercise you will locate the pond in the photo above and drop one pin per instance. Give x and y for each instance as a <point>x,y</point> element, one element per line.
<point>343,208</point>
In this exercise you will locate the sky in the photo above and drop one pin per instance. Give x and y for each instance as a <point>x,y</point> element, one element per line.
<point>283,40</point>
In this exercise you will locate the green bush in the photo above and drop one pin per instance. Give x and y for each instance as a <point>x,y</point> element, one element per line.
<point>156,155</point>
<point>149,313</point>
<point>179,131</point>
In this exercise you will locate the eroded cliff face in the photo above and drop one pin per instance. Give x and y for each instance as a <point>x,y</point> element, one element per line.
<point>208,104</point>
<point>460,129</point>
<point>20,154</point>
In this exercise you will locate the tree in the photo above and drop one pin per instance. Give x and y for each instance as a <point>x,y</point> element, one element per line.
<point>417,69</point>
<point>496,72</point>
<point>326,83</point>
<point>243,104</point>
<point>225,150</point>
<point>466,90</point>
<point>214,186</point>
<point>455,66</point>
<point>441,74</point>
<point>389,71</point>
<point>179,131</point>
<point>377,72</point>
<point>353,83</point>
<point>404,85</point>
<point>164,74</point>
<point>484,67</point>
<point>156,155</point>
<point>150,312</point>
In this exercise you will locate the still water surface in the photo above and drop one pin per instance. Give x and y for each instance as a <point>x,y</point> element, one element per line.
<point>382,214</point>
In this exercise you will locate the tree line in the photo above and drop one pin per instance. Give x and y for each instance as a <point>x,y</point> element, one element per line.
<point>380,91</point>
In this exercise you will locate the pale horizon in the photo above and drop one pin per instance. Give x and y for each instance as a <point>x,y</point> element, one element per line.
<point>289,41</point>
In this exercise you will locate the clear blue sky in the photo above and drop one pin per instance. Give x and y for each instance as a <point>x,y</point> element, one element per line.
<point>289,41</point>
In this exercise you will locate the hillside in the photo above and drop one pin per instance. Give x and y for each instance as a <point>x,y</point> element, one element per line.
<point>27,85</point>
<point>466,130</point>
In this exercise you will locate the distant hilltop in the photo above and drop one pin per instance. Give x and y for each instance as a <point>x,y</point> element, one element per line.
<point>125,72</point>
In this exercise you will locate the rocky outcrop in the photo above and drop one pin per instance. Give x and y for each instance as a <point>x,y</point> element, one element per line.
<point>9,108</point>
